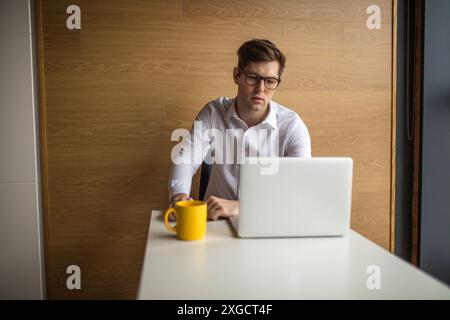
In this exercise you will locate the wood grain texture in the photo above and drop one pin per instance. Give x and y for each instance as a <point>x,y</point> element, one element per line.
<point>323,10</point>
<point>116,89</point>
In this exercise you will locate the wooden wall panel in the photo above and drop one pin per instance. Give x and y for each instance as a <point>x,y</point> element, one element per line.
<point>113,92</point>
<point>328,10</point>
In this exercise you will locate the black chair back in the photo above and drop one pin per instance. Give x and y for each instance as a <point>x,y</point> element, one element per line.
<point>204,179</point>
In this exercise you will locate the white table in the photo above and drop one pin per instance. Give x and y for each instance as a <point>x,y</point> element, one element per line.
<point>223,266</point>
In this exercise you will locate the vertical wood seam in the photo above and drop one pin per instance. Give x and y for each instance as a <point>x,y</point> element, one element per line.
<point>393,123</point>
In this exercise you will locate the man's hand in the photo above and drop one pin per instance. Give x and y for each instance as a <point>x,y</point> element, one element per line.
<point>175,199</point>
<point>218,207</point>
<point>179,197</point>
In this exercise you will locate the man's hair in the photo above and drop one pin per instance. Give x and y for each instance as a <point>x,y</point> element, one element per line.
<point>260,50</point>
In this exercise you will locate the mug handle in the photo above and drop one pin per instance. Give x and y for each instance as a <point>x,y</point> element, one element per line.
<point>166,220</point>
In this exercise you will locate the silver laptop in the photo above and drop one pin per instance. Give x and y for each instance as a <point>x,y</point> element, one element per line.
<point>294,197</point>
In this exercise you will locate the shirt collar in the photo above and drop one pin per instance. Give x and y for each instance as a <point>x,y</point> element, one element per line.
<point>271,118</point>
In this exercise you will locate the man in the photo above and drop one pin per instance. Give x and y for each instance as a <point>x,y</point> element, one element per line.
<point>257,77</point>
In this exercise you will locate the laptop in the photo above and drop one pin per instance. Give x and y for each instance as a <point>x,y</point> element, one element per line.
<point>294,197</point>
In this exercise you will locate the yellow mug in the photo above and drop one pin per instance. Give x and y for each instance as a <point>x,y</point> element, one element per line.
<point>190,219</point>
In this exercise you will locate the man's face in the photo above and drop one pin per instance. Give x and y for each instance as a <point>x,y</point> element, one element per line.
<point>257,97</point>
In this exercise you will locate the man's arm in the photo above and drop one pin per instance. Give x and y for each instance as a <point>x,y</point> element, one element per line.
<point>187,157</point>
<point>299,141</point>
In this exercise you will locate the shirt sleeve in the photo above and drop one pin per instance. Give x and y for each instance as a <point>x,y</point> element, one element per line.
<point>188,155</point>
<point>299,141</point>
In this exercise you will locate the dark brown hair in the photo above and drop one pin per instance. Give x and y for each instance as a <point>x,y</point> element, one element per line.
<point>260,50</point>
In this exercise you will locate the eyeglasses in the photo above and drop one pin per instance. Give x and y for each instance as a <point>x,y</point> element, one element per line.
<point>253,80</point>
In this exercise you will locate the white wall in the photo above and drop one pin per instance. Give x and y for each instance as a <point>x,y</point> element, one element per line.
<point>21,246</point>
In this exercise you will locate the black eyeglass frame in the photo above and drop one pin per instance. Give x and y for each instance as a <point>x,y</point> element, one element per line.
<point>259,79</point>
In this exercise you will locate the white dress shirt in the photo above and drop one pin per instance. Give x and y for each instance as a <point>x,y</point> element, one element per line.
<point>286,132</point>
